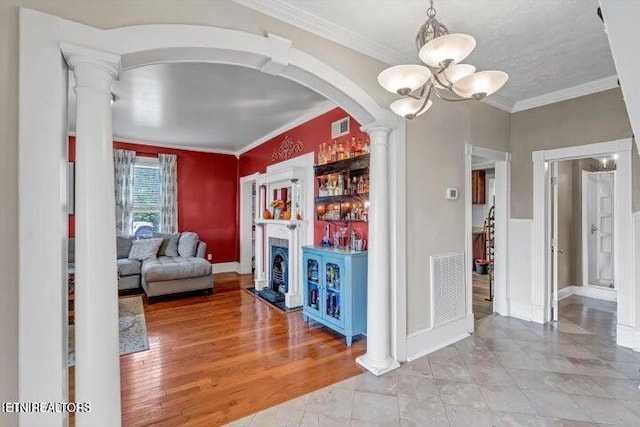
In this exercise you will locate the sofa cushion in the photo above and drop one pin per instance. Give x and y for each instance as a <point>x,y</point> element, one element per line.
<point>169,245</point>
<point>145,248</point>
<point>187,244</point>
<point>172,268</point>
<point>128,267</point>
<point>123,246</point>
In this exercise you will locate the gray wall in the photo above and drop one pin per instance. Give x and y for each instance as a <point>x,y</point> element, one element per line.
<point>435,161</point>
<point>566,215</point>
<point>594,118</point>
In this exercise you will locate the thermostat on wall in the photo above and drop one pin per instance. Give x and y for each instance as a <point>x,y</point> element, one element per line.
<point>452,193</point>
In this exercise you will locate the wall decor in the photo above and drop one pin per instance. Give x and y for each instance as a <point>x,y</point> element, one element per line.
<point>287,149</point>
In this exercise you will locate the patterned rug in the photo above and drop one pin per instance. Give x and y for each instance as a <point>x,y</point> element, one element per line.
<point>133,329</point>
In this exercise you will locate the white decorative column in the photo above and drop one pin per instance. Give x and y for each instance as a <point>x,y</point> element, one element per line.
<point>97,371</point>
<point>539,241</point>
<point>258,276</point>
<point>378,358</point>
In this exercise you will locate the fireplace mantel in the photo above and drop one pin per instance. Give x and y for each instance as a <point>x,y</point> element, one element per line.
<point>294,231</point>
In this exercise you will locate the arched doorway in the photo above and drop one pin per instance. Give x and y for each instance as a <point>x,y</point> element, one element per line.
<point>43,77</point>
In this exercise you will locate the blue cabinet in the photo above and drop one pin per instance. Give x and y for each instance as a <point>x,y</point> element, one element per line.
<point>335,289</point>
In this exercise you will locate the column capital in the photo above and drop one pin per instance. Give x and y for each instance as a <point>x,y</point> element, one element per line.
<point>89,64</point>
<point>377,129</point>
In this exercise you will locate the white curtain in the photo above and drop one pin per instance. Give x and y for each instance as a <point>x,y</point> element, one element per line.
<point>168,193</point>
<point>123,162</point>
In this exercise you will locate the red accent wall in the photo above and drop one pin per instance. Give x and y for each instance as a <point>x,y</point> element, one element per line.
<point>312,133</point>
<point>207,196</point>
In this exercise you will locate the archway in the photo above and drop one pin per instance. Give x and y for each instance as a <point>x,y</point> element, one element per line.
<point>96,56</point>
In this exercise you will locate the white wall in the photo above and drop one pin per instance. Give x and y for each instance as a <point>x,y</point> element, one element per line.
<point>519,268</point>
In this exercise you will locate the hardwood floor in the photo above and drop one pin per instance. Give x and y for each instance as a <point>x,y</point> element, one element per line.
<point>214,359</point>
<point>481,307</point>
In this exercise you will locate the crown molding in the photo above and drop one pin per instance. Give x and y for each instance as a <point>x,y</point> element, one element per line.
<point>300,18</point>
<point>499,102</point>
<point>320,109</point>
<point>117,138</point>
<point>568,93</point>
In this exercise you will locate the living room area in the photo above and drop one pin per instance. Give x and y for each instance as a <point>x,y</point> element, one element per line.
<point>197,342</point>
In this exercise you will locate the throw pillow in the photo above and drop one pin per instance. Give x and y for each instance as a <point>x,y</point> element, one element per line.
<point>123,246</point>
<point>187,244</point>
<point>144,248</point>
<point>169,245</point>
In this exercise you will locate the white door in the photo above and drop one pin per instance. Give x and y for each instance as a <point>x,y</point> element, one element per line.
<point>597,228</point>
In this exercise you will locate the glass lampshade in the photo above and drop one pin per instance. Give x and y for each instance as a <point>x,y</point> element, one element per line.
<point>483,82</point>
<point>456,72</point>
<point>409,77</point>
<point>451,47</point>
<point>408,106</point>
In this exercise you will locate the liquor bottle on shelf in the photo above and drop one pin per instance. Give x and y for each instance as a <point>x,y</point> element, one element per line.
<point>366,149</point>
<point>320,155</point>
<point>334,151</point>
<point>352,147</point>
<point>354,185</point>
<point>361,185</point>
<point>366,185</point>
<point>341,155</point>
<point>359,147</point>
<point>340,185</point>
<point>322,189</point>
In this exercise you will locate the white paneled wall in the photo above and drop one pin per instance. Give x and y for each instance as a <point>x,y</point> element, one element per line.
<point>519,268</point>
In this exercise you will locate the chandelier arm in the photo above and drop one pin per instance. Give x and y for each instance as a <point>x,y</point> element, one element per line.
<point>444,82</point>
<point>424,104</point>
<point>444,98</point>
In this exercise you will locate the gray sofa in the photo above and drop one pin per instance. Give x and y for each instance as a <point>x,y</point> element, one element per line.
<point>168,272</point>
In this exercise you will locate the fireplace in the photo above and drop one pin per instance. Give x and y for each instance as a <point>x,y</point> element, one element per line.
<point>279,266</point>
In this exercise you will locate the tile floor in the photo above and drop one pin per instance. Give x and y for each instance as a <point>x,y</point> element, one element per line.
<point>509,373</point>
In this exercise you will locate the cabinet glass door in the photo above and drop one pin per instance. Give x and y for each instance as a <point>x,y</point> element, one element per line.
<point>333,308</point>
<point>312,276</point>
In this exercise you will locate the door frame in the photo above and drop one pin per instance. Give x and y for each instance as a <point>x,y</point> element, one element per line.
<point>624,263</point>
<point>583,202</point>
<point>553,238</point>
<point>246,222</point>
<point>502,164</point>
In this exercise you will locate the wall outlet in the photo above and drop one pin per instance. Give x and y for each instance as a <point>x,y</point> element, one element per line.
<point>451,193</point>
<point>209,257</point>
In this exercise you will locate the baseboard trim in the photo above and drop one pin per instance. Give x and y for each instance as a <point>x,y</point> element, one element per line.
<point>226,267</point>
<point>565,292</point>
<point>589,291</point>
<point>628,336</point>
<point>520,310</point>
<point>427,341</point>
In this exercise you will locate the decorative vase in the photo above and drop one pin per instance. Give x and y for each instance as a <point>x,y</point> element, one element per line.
<point>266,214</point>
<point>298,217</point>
<point>276,213</point>
<point>286,215</point>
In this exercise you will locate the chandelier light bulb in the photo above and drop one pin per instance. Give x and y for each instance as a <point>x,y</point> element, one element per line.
<point>404,79</point>
<point>409,107</point>
<point>481,84</point>
<point>446,50</point>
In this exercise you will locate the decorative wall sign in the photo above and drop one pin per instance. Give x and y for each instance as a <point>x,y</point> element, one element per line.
<point>287,149</point>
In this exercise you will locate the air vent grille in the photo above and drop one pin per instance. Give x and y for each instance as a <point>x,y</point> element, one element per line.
<point>449,288</point>
<point>340,127</point>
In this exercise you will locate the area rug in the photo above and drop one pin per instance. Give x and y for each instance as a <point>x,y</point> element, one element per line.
<point>279,305</point>
<point>133,329</point>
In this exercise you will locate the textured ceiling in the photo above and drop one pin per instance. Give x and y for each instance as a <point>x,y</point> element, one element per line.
<point>544,45</point>
<point>206,106</point>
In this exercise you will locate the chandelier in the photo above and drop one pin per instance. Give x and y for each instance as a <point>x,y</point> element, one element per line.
<point>443,74</point>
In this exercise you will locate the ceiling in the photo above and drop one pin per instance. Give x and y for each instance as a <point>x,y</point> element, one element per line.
<point>552,49</point>
<point>206,106</point>
<point>546,46</point>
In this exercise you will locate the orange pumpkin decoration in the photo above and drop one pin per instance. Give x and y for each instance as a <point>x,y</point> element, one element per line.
<point>266,214</point>
<point>286,215</point>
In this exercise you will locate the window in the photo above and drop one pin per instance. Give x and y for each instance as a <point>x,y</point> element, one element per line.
<point>146,196</point>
